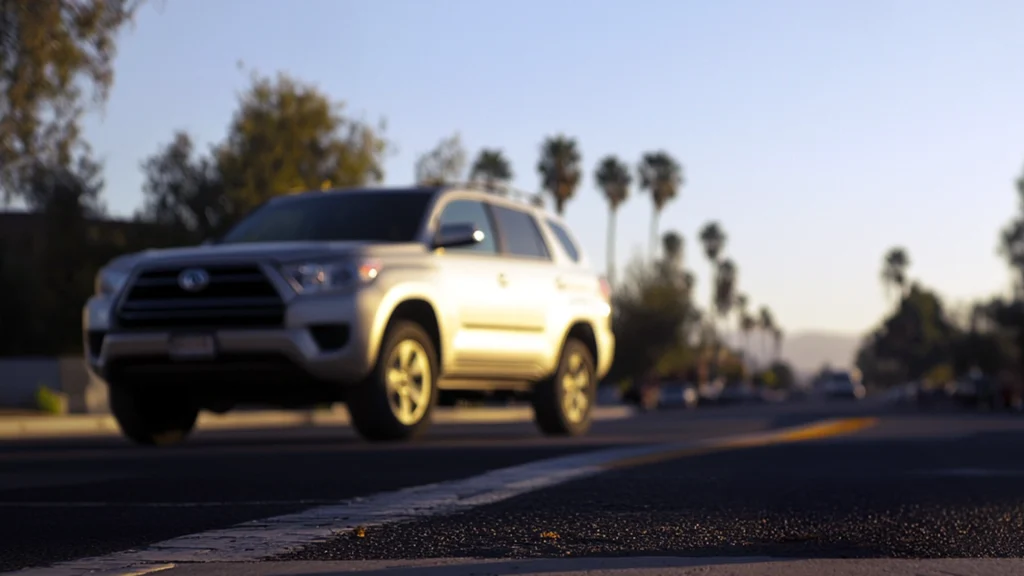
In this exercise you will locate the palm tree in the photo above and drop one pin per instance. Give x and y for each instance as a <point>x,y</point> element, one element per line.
<point>766,322</point>
<point>894,271</point>
<point>777,336</point>
<point>741,303</point>
<point>559,169</point>
<point>725,289</point>
<point>492,168</point>
<point>747,325</point>
<point>662,176</point>
<point>614,179</point>
<point>672,245</point>
<point>713,239</point>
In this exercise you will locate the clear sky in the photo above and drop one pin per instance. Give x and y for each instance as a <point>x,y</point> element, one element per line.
<point>818,132</point>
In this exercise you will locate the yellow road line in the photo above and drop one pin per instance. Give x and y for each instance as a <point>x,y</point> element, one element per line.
<point>815,431</point>
<point>142,570</point>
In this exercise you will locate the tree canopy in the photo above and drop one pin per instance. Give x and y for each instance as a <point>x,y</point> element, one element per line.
<point>559,169</point>
<point>184,192</point>
<point>288,136</point>
<point>443,164</point>
<point>491,167</point>
<point>285,137</point>
<point>51,52</point>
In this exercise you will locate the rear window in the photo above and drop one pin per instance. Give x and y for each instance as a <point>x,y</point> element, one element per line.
<point>565,240</point>
<point>367,215</point>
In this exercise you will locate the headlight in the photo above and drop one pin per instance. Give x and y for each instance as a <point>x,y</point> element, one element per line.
<point>317,277</point>
<point>110,281</point>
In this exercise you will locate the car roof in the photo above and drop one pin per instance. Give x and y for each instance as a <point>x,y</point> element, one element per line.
<point>361,189</point>
<point>512,199</point>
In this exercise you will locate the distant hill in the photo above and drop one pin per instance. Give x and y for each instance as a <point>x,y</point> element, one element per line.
<point>807,352</point>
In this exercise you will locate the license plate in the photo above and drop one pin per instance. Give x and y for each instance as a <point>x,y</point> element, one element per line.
<point>192,347</point>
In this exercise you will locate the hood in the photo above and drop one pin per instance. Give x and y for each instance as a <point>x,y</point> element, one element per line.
<point>276,252</point>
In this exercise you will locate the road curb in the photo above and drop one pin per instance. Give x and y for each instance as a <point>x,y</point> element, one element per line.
<point>84,425</point>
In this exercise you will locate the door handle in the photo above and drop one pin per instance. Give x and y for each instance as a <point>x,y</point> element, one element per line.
<point>502,280</point>
<point>560,284</point>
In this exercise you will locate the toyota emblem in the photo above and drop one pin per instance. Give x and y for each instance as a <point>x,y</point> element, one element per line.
<point>193,279</point>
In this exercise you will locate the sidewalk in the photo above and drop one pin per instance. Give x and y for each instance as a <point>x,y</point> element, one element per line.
<point>22,427</point>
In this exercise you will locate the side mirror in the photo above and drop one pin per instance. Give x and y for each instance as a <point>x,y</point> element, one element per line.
<point>455,235</point>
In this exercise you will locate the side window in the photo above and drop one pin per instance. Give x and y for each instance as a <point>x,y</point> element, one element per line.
<point>470,212</point>
<point>565,240</point>
<point>520,232</point>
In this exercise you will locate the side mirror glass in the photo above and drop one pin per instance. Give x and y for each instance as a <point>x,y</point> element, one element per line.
<point>455,235</point>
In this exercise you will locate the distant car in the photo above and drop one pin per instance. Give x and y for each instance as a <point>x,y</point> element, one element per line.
<point>738,394</point>
<point>840,385</point>
<point>379,298</point>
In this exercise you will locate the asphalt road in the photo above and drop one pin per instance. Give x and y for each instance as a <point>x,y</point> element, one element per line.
<point>66,499</point>
<point>913,487</point>
<point>916,485</point>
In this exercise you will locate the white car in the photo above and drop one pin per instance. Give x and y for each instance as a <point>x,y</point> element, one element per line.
<point>380,298</point>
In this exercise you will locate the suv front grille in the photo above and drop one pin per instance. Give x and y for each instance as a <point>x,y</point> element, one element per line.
<point>237,296</point>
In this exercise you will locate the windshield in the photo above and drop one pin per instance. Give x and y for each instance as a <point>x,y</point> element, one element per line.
<point>367,215</point>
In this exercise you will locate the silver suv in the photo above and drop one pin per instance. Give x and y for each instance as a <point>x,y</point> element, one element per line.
<point>380,298</point>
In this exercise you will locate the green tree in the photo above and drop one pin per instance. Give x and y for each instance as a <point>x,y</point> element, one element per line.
<point>184,192</point>
<point>662,176</point>
<point>652,316</point>
<point>894,271</point>
<point>74,245</point>
<point>444,164</point>
<point>911,342</point>
<point>287,137</point>
<point>1011,240</point>
<point>51,53</point>
<point>613,177</point>
<point>559,169</point>
<point>492,168</point>
<point>985,343</point>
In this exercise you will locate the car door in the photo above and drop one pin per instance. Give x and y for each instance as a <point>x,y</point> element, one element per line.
<point>473,295</point>
<point>531,289</point>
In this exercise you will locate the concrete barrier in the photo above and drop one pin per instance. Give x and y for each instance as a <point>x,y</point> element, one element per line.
<point>21,378</point>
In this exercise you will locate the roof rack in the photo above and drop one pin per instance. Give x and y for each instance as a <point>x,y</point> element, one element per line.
<point>505,190</point>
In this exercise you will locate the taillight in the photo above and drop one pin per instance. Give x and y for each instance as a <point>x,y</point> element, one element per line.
<point>606,288</point>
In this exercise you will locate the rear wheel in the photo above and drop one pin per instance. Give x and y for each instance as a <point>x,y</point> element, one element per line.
<point>563,405</point>
<point>152,417</point>
<point>397,400</point>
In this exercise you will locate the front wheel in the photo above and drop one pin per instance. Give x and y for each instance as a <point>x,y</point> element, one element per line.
<point>397,399</point>
<point>563,405</point>
<point>152,417</point>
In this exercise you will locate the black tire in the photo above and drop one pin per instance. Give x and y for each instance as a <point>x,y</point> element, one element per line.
<point>549,397</point>
<point>369,404</point>
<point>152,417</point>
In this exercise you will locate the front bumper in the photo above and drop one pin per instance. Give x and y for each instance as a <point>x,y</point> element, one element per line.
<point>323,336</point>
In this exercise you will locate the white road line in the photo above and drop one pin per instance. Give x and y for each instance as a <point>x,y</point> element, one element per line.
<point>166,504</point>
<point>260,539</point>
